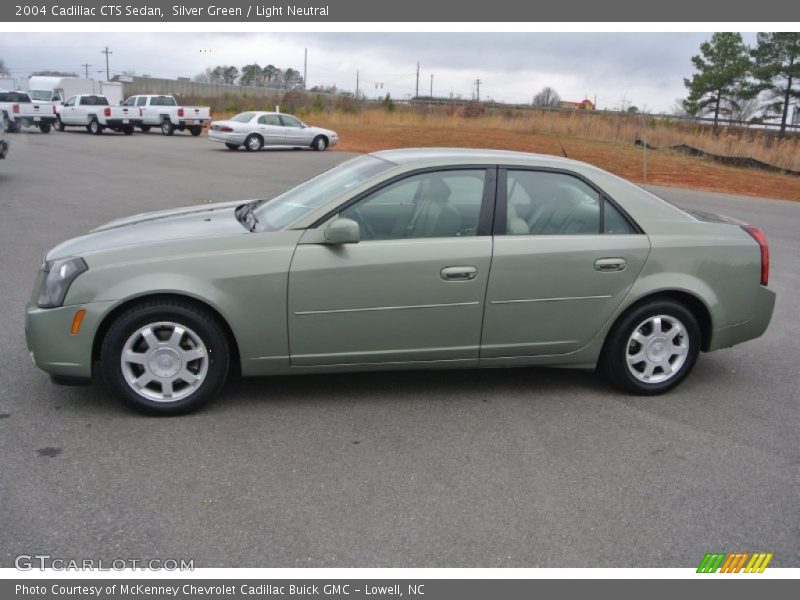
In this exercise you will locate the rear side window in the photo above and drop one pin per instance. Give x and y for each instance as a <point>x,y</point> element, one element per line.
<point>93,101</point>
<point>290,121</point>
<point>130,101</point>
<point>548,203</point>
<point>19,97</point>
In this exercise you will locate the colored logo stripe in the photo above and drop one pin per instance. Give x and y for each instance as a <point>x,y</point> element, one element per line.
<point>734,562</point>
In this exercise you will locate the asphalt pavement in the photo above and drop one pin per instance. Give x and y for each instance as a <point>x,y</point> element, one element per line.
<point>493,468</point>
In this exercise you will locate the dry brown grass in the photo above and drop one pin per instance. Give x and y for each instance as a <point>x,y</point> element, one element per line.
<point>604,140</point>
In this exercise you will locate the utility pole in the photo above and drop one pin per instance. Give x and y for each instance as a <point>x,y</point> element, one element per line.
<point>478,83</point>
<point>416,95</point>
<point>305,69</point>
<point>108,71</point>
<point>357,75</point>
<point>431,86</point>
<point>86,66</point>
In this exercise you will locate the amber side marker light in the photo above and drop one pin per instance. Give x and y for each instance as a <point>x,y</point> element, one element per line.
<point>77,320</point>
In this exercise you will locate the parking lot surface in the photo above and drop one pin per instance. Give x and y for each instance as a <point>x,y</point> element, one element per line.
<point>501,468</point>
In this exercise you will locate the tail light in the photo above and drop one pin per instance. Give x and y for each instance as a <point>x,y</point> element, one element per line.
<point>107,111</point>
<point>761,240</point>
<point>226,129</point>
<point>180,111</point>
<point>15,108</point>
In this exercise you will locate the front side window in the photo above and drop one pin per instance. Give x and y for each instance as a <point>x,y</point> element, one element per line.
<point>70,102</point>
<point>290,121</point>
<point>141,101</point>
<point>432,204</point>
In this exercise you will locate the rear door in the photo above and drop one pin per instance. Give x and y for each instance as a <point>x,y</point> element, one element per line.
<point>564,259</point>
<point>412,290</point>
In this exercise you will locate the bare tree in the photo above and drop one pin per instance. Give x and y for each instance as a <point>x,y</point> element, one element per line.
<point>546,98</point>
<point>3,68</point>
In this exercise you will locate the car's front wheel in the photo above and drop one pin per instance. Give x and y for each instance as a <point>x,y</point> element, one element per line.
<point>59,125</point>
<point>44,127</point>
<point>195,130</point>
<point>320,143</point>
<point>165,357</point>
<point>144,128</point>
<point>651,349</point>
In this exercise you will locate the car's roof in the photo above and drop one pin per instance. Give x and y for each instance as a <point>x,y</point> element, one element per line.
<point>471,155</point>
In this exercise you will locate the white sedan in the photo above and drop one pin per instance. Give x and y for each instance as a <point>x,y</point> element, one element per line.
<point>255,130</point>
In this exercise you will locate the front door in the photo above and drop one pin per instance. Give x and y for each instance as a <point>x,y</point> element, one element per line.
<point>294,132</point>
<point>564,259</point>
<point>412,290</point>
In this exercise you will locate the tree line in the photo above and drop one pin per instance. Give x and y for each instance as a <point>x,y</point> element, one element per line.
<point>254,75</point>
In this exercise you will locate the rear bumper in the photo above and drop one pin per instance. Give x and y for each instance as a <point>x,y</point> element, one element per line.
<point>227,138</point>
<point>33,122</point>
<point>754,327</point>
<point>193,122</point>
<point>118,123</point>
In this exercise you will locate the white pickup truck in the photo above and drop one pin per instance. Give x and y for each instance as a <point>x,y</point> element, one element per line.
<point>96,114</point>
<point>17,111</point>
<point>3,142</point>
<point>164,112</point>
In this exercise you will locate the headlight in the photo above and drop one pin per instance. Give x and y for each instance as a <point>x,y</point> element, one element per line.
<point>59,276</point>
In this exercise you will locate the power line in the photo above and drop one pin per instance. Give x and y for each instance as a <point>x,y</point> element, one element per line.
<point>478,83</point>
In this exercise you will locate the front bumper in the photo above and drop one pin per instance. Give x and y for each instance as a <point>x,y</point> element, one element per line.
<point>754,327</point>
<point>3,148</point>
<point>53,347</point>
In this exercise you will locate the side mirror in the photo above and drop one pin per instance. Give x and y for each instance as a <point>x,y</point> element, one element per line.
<point>342,231</point>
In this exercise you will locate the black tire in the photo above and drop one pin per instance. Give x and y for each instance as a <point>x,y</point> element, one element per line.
<point>186,314</point>
<point>195,130</point>
<point>232,146</point>
<point>144,128</point>
<point>320,143</point>
<point>614,359</point>
<point>127,129</point>
<point>59,126</point>
<point>167,128</point>
<point>253,143</point>
<point>44,127</point>
<point>94,127</point>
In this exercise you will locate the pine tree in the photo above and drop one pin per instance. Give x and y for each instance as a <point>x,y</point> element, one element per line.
<point>723,65</point>
<point>776,71</point>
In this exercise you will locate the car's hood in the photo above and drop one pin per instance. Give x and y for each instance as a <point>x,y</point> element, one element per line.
<point>208,220</point>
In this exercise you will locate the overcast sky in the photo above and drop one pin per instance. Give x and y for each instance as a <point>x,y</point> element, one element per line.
<point>645,69</point>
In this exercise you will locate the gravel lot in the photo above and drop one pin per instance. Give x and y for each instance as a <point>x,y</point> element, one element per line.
<point>506,468</point>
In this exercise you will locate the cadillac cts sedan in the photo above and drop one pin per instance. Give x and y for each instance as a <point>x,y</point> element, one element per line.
<point>254,130</point>
<point>403,259</point>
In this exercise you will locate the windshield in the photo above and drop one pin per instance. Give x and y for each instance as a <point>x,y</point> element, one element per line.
<point>244,117</point>
<point>299,201</point>
<point>41,95</point>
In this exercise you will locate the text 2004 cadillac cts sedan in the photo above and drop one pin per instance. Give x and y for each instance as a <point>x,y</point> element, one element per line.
<point>423,258</point>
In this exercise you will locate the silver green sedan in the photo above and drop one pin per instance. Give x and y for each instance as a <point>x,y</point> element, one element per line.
<point>404,259</point>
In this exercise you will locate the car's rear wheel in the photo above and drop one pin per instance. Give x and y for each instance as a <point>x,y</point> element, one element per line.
<point>232,146</point>
<point>167,128</point>
<point>320,143</point>
<point>195,130</point>
<point>44,127</point>
<point>127,129</point>
<point>144,128</point>
<point>165,357</point>
<point>254,143</point>
<point>652,348</point>
<point>94,127</point>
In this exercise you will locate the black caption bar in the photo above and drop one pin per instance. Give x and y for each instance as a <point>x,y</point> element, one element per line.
<point>407,11</point>
<point>360,589</point>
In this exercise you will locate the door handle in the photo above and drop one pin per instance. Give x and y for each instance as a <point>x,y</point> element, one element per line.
<point>459,273</point>
<point>610,264</point>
